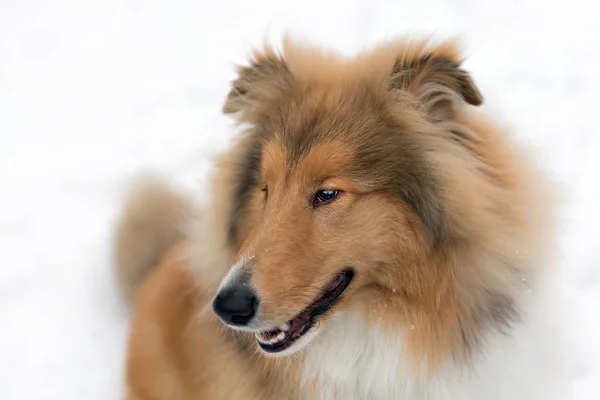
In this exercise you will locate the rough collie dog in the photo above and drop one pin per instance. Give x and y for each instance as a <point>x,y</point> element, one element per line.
<point>370,235</point>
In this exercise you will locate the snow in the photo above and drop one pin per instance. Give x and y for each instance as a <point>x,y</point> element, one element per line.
<point>94,91</point>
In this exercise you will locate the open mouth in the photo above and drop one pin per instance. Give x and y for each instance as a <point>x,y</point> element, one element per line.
<point>285,335</point>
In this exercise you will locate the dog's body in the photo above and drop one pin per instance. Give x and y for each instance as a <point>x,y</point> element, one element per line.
<point>397,232</point>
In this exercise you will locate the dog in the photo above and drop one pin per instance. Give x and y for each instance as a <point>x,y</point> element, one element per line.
<point>370,234</point>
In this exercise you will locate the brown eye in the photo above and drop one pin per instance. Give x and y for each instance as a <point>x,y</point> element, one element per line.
<point>265,189</point>
<point>323,197</point>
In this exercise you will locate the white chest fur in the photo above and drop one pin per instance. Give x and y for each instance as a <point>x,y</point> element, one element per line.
<point>351,360</point>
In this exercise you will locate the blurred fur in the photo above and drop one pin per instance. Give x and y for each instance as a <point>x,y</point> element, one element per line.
<point>152,220</point>
<point>446,222</point>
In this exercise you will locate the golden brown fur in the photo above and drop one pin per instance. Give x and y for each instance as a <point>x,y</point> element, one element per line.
<point>438,217</point>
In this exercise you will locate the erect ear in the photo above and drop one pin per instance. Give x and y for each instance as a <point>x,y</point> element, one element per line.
<point>439,84</point>
<point>267,75</point>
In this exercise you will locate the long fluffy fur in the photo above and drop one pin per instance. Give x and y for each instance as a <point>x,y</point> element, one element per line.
<point>444,220</point>
<point>152,220</point>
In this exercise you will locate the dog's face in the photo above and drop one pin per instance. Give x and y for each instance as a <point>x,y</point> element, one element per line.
<point>319,227</point>
<point>318,232</point>
<point>339,200</point>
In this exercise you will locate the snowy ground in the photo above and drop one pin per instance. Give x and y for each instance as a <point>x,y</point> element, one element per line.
<point>93,91</point>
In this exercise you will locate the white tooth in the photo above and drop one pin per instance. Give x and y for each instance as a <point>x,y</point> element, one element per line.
<point>284,327</point>
<point>281,336</point>
<point>273,340</point>
<point>261,338</point>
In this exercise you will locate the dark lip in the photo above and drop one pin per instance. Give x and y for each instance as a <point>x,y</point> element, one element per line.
<point>305,320</point>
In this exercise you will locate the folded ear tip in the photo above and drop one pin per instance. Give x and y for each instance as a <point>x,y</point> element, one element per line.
<point>477,100</point>
<point>265,75</point>
<point>433,69</point>
<point>471,93</point>
<point>449,61</point>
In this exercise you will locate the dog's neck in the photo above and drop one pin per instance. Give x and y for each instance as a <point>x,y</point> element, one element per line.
<point>350,359</point>
<point>353,359</point>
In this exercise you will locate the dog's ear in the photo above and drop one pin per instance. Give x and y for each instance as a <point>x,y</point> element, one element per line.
<point>439,84</point>
<point>265,77</point>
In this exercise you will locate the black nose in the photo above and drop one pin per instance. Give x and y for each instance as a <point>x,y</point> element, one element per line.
<point>236,305</point>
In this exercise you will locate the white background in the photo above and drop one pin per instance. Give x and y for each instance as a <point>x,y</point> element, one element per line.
<point>94,91</point>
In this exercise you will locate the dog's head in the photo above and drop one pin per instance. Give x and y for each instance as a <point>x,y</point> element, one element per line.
<point>358,188</point>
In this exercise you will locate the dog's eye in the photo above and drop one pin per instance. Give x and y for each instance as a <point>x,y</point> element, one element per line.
<point>325,197</point>
<point>265,189</point>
